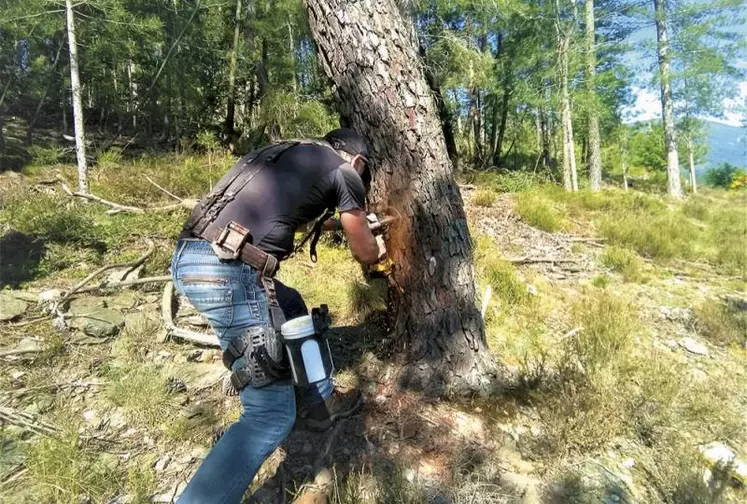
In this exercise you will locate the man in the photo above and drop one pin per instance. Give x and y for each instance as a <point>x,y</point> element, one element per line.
<point>224,263</point>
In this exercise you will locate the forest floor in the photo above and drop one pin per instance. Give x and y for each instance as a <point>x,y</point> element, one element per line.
<point>619,319</point>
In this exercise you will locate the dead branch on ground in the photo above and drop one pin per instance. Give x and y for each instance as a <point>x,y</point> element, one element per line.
<point>129,265</point>
<point>117,208</point>
<point>167,314</point>
<point>125,283</point>
<point>539,260</point>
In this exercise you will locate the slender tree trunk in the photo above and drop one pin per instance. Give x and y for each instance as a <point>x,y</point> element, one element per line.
<point>80,134</point>
<point>132,95</point>
<point>231,102</point>
<point>674,186</point>
<point>691,163</point>
<point>52,75</point>
<point>595,147</point>
<point>570,175</point>
<point>502,127</point>
<point>624,164</point>
<point>370,54</point>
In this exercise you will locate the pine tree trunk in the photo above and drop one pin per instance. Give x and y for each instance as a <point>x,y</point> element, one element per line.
<point>231,102</point>
<point>667,105</point>
<point>691,163</point>
<point>80,134</point>
<point>369,52</point>
<point>595,148</point>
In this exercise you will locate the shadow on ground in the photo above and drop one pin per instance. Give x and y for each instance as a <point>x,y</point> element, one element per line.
<point>402,447</point>
<point>20,255</point>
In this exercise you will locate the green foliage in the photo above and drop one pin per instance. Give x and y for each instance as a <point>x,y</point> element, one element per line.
<point>484,198</point>
<point>44,155</point>
<point>540,213</point>
<point>499,273</point>
<point>607,325</point>
<point>722,323</point>
<point>67,469</point>
<point>141,483</point>
<point>624,262</point>
<point>723,175</point>
<point>143,393</point>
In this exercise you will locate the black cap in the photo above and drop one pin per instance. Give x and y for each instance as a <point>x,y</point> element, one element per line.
<point>347,140</point>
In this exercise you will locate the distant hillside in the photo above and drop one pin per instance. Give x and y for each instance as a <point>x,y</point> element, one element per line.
<point>725,145</point>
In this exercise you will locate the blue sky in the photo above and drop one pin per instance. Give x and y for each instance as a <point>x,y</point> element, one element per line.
<point>648,105</point>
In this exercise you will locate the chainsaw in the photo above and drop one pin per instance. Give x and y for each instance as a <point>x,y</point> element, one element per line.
<point>378,227</point>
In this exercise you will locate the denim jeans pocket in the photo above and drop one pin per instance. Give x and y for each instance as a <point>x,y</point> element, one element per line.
<point>211,296</point>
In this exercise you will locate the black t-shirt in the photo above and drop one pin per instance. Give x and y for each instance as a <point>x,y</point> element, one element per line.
<point>291,191</point>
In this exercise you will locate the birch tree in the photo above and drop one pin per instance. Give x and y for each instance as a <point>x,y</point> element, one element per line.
<point>80,133</point>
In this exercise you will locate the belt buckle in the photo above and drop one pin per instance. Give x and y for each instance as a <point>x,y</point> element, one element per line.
<point>231,240</point>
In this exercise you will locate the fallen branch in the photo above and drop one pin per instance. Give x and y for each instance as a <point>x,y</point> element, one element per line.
<point>17,472</point>
<point>164,190</point>
<point>125,283</point>
<point>26,421</point>
<point>30,321</point>
<point>539,260</point>
<point>167,314</point>
<point>117,208</point>
<point>19,351</point>
<point>130,265</point>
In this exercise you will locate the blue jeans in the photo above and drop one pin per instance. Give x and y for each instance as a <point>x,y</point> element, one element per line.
<point>228,294</point>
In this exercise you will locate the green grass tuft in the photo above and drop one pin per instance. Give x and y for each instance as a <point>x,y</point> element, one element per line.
<point>721,323</point>
<point>500,274</point>
<point>68,470</point>
<point>484,198</point>
<point>540,213</point>
<point>143,393</point>
<point>625,262</point>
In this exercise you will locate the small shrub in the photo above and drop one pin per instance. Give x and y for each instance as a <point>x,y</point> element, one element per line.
<point>499,273</point>
<point>366,298</point>
<point>484,198</point>
<point>601,281</point>
<point>696,208</point>
<point>46,155</point>
<point>142,392</point>
<point>721,323</point>
<point>539,213</point>
<point>607,327</point>
<point>109,159</point>
<point>141,483</point>
<point>722,175</point>
<point>661,237</point>
<point>624,262</point>
<point>66,470</point>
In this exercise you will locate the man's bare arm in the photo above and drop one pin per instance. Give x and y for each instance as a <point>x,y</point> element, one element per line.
<point>363,244</point>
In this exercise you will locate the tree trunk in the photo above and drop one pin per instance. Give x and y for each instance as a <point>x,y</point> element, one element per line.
<point>231,102</point>
<point>370,54</point>
<point>570,176</point>
<point>504,121</point>
<point>52,75</point>
<point>691,163</point>
<point>624,165</point>
<point>595,147</point>
<point>80,134</point>
<point>667,105</point>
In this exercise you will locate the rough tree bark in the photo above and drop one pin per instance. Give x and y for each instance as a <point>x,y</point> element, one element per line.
<point>595,147</point>
<point>80,134</point>
<point>674,187</point>
<point>370,53</point>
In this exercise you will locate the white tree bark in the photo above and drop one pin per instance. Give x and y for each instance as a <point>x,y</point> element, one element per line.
<point>674,187</point>
<point>691,162</point>
<point>595,147</point>
<point>80,134</point>
<point>570,173</point>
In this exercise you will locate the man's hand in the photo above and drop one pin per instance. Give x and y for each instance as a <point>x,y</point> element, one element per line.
<point>382,247</point>
<point>363,245</point>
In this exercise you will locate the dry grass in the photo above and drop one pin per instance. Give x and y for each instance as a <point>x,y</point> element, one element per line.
<point>484,198</point>
<point>722,323</point>
<point>625,262</point>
